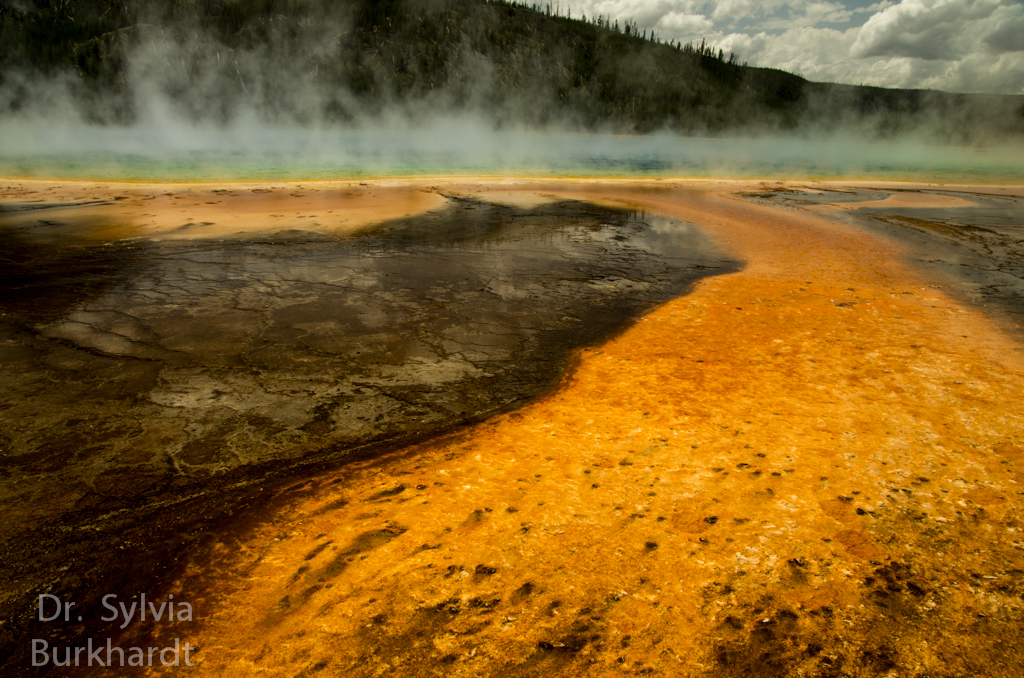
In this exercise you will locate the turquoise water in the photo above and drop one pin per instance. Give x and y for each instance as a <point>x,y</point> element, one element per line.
<point>255,153</point>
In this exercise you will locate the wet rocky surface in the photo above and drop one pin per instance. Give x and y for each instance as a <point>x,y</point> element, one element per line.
<point>154,388</point>
<point>809,468</point>
<point>978,251</point>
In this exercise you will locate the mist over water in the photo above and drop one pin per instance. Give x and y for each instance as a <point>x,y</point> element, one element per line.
<point>251,150</point>
<point>176,92</point>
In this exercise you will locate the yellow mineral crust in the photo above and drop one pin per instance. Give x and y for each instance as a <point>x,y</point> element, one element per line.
<point>194,211</point>
<point>809,467</point>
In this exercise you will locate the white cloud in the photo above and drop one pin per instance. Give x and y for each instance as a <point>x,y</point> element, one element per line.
<point>1009,36</point>
<point>811,52</point>
<point>979,73</point>
<point>871,9</point>
<point>926,29</point>
<point>677,23</point>
<point>813,14</point>
<point>735,9</point>
<point>954,45</point>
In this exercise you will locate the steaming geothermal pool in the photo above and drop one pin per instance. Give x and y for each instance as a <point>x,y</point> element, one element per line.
<point>175,152</point>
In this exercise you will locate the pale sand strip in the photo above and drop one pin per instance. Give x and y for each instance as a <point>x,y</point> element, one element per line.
<point>902,200</point>
<point>193,211</point>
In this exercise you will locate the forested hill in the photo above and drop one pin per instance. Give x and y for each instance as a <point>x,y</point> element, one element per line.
<point>331,62</point>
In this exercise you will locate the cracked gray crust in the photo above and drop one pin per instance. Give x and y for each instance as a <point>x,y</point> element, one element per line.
<point>145,374</point>
<point>208,356</point>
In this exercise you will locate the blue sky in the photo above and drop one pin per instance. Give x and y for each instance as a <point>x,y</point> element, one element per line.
<point>952,45</point>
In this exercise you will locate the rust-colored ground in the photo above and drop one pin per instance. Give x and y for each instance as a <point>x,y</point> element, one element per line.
<point>810,467</point>
<point>189,211</point>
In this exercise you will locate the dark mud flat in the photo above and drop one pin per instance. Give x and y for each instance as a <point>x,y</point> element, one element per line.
<point>151,389</point>
<point>977,252</point>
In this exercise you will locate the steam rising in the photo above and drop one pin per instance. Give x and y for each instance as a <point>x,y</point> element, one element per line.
<point>184,104</point>
<point>251,150</point>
